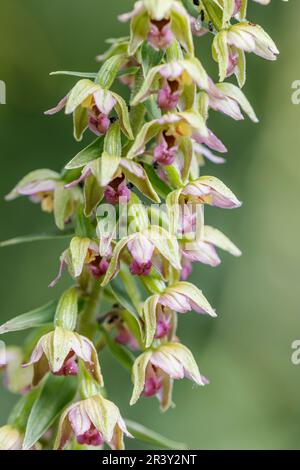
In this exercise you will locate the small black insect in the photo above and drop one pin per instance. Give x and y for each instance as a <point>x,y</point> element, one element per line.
<point>210,26</point>
<point>196,2</point>
<point>130,186</point>
<point>155,165</point>
<point>202,15</point>
<point>113,119</point>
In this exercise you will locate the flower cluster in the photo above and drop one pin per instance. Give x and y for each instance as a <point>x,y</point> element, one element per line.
<point>130,268</point>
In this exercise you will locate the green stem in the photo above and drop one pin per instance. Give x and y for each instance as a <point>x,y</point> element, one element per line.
<point>87,317</point>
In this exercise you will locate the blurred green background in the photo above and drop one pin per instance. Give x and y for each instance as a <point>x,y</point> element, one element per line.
<point>253,400</point>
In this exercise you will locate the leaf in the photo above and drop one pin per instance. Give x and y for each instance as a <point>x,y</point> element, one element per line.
<point>112,141</point>
<point>75,74</point>
<point>56,394</point>
<point>93,195</point>
<point>158,184</point>
<point>142,182</point>
<point>62,199</point>
<point>35,318</point>
<point>139,29</point>
<point>144,434</point>
<point>109,70</point>
<point>138,375</point>
<point>122,297</point>
<point>149,312</point>
<point>21,411</point>
<point>78,250</point>
<point>150,57</point>
<point>118,351</point>
<point>88,154</point>
<point>82,90</point>
<point>220,49</point>
<point>36,238</point>
<point>80,122</point>
<point>180,25</point>
<point>67,310</point>
<point>123,114</point>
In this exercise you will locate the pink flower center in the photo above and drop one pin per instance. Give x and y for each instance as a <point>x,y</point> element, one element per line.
<point>98,122</point>
<point>165,152</point>
<point>92,437</point>
<point>163,327</point>
<point>70,366</point>
<point>117,190</point>
<point>160,35</point>
<point>168,96</point>
<point>140,269</point>
<point>98,267</point>
<point>152,385</point>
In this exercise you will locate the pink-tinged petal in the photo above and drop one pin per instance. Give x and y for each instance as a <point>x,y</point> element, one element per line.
<point>35,187</point>
<point>176,301</point>
<point>35,355</point>
<point>85,173</point>
<point>168,364</point>
<point>123,427</point>
<point>201,149</point>
<point>227,106</point>
<point>198,190</point>
<point>141,249</point>
<point>237,7</point>
<point>163,325</point>
<point>232,63</point>
<point>219,200</point>
<point>133,168</point>
<point>138,8</point>
<point>58,107</point>
<point>60,272</point>
<point>202,252</point>
<point>169,118</point>
<point>79,420</point>
<point>104,101</point>
<point>186,270</point>
<point>211,141</point>
<point>82,349</point>
<point>171,71</point>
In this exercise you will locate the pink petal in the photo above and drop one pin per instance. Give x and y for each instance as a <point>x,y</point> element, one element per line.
<point>35,187</point>
<point>58,107</point>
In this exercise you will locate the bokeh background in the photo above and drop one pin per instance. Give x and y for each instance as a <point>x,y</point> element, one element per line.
<point>253,401</point>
